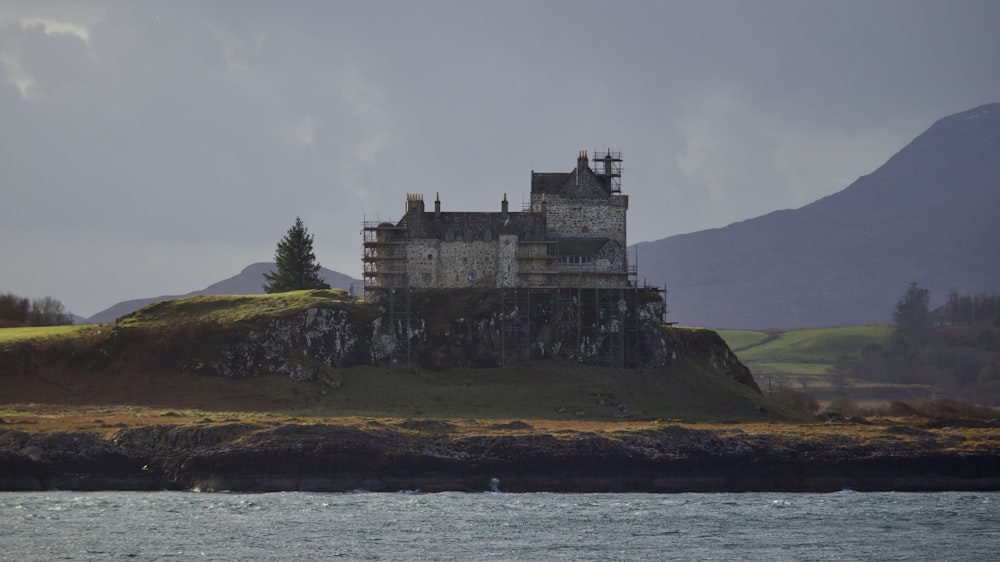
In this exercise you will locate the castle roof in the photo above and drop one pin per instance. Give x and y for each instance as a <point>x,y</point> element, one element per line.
<point>581,182</point>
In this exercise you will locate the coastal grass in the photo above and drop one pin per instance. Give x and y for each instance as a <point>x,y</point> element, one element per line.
<point>877,429</point>
<point>231,309</point>
<point>550,389</point>
<point>28,333</point>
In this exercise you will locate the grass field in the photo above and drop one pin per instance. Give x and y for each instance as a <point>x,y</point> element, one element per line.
<point>14,335</point>
<point>803,358</point>
<point>233,308</point>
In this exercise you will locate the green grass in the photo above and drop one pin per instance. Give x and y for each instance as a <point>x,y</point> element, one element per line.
<point>232,309</point>
<point>551,389</point>
<point>14,335</point>
<point>812,345</point>
<point>801,357</point>
<point>741,339</point>
<point>791,368</point>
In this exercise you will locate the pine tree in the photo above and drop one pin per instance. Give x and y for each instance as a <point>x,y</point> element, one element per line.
<point>296,263</point>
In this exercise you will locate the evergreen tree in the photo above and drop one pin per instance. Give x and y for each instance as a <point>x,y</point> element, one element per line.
<point>913,320</point>
<point>913,310</point>
<point>296,263</point>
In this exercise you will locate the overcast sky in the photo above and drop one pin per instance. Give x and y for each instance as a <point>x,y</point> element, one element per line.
<point>152,148</point>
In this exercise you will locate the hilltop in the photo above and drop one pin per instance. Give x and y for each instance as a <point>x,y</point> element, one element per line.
<point>325,352</point>
<point>250,281</point>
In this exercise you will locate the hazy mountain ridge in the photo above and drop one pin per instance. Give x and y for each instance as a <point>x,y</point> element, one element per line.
<point>930,214</point>
<point>250,281</point>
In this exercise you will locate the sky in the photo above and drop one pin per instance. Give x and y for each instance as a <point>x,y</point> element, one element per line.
<point>151,148</point>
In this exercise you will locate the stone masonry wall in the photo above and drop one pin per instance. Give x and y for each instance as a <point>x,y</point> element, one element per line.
<point>434,263</point>
<point>507,265</point>
<point>585,217</point>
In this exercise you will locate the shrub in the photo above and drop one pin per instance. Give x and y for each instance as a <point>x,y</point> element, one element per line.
<point>796,400</point>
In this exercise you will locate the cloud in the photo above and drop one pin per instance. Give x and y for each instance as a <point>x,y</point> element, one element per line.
<point>729,153</point>
<point>748,157</point>
<point>171,143</point>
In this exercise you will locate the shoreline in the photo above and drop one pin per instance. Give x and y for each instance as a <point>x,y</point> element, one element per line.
<point>438,455</point>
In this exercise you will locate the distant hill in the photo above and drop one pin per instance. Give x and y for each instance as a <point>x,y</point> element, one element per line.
<point>930,215</point>
<point>250,281</point>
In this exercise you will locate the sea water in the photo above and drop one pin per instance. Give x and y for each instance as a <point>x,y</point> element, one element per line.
<point>498,526</point>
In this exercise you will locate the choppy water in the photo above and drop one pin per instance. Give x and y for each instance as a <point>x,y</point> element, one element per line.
<point>456,526</point>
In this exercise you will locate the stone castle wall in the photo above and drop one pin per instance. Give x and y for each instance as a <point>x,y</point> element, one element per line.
<point>584,217</point>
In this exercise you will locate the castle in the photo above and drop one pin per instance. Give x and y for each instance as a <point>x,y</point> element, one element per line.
<point>571,236</point>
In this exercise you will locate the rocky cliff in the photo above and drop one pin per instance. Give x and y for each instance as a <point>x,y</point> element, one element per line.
<point>433,330</point>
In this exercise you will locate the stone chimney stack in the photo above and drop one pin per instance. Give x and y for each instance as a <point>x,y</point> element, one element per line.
<point>437,206</point>
<point>415,202</point>
<point>503,205</point>
<point>582,163</point>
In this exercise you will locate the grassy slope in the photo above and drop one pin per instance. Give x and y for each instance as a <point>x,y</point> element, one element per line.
<point>543,389</point>
<point>803,357</point>
<point>10,336</point>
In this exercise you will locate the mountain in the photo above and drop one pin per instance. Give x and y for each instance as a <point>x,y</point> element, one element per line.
<point>930,215</point>
<point>250,281</point>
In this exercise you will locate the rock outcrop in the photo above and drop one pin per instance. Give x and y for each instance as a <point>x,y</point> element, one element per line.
<point>428,456</point>
<point>435,330</point>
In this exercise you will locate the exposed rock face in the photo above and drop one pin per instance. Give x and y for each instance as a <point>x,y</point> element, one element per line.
<point>294,345</point>
<point>443,329</point>
<point>425,456</point>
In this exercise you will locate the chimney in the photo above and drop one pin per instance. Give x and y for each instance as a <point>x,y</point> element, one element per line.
<point>437,206</point>
<point>503,204</point>
<point>582,162</point>
<point>415,202</point>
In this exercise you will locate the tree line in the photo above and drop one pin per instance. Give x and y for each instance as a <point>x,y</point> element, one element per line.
<point>954,348</point>
<point>20,311</point>
<point>969,310</point>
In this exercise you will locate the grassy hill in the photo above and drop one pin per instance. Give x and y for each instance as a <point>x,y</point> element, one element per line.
<point>813,346</point>
<point>804,359</point>
<point>134,363</point>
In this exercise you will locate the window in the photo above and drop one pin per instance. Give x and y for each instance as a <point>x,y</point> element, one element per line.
<point>575,260</point>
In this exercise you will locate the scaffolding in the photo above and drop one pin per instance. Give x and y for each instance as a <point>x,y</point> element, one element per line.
<point>567,321</point>
<point>397,302</point>
<point>609,326</point>
<point>609,165</point>
<point>515,326</point>
<point>384,256</point>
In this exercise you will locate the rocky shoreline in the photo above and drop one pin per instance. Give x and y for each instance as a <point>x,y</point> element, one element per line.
<point>427,455</point>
